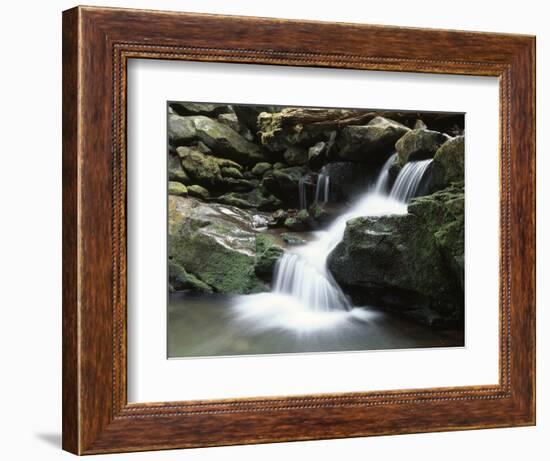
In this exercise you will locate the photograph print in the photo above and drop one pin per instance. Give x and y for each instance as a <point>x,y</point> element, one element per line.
<point>310,229</point>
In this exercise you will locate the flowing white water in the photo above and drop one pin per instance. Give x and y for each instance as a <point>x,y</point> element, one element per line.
<point>408,180</point>
<point>322,189</point>
<point>303,287</point>
<point>323,186</point>
<point>302,197</point>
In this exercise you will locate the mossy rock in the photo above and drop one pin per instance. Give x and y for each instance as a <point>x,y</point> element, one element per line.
<point>177,188</point>
<point>261,168</point>
<point>443,213</point>
<point>180,279</point>
<point>372,143</point>
<point>448,164</point>
<point>284,184</point>
<point>219,251</point>
<point>231,172</point>
<point>181,130</point>
<point>198,191</point>
<point>226,163</point>
<point>419,144</point>
<point>226,142</point>
<point>414,262</point>
<point>175,170</point>
<point>201,168</point>
<point>267,254</point>
<point>239,185</point>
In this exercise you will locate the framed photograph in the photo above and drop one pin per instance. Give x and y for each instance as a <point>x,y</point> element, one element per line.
<point>284,230</point>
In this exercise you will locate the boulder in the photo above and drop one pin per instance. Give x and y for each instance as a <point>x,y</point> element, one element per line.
<point>279,165</point>
<point>230,120</point>
<point>267,254</point>
<point>284,184</point>
<point>175,170</point>
<point>231,172</point>
<point>295,155</point>
<point>239,184</point>
<point>198,191</point>
<point>412,262</point>
<point>216,243</point>
<point>448,164</point>
<point>443,213</point>
<point>372,143</point>
<point>261,168</point>
<point>201,168</point>
<point>180,279</point>
<point>177,188</point>
<point>419,144</point>
<point>226,142</point>
<point>181,130</point>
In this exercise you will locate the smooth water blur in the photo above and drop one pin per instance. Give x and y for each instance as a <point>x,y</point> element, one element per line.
<point>302,273</point>
<point>205,325</point>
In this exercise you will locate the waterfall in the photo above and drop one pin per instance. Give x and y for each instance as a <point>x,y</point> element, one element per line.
<point>303,274</point>
<point>323,186</point>
<point>304,295</point>
<point>322,189</point>
<point>408,180</point>
<point>383,181</point>
<point>302,198</point>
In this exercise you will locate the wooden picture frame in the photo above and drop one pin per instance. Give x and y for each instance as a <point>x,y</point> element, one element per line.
<point>97,43</point>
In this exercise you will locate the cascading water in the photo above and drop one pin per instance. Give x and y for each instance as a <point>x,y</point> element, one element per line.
<point>408,180</point>
<point>303,287</point>
<point>323,186</point>
<point>383,181</point>
<point>302,197</point>
<point>322,189</point>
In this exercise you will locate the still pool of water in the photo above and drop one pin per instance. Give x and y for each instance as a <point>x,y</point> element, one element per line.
<point>224,325</point>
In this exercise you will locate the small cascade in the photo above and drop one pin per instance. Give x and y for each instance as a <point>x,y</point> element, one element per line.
<point>323,186</point>
<point>302,282</point>
<point>383,181</point>
<point>409,178</point>
<point>322,189</point>
<point>309,283</point>
<point>302,192</point>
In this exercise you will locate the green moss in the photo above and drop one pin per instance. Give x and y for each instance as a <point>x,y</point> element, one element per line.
<point>261,168</point>
<point>176,188</point>
<point>198,191</point>
<point>448,165</point>
<point>175,170</point>
<point>267,254</point>
<point>231,172</point>
<point>180,279</point>
<point>201,168</point>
